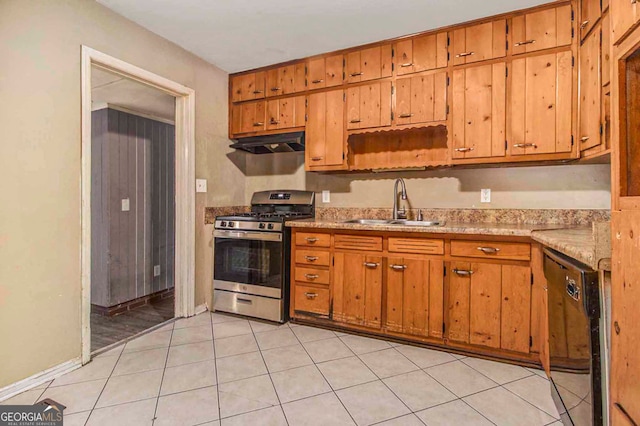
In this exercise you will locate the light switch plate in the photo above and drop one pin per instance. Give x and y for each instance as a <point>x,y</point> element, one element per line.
<point>201,185</point>
<point>485,195</point>
<point>156,271</point>
<point>126,205</point>
<point>326,196</point>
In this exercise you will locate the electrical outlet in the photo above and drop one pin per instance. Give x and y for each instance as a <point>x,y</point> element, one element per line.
<point>201,185</point>
<point>485,195</point>
<point>156,271</point>
<point>126,205</point>
<point>326,196</point>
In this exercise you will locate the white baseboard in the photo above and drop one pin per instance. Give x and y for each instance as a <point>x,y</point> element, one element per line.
<point>201,308</point>
<point>39,378</point>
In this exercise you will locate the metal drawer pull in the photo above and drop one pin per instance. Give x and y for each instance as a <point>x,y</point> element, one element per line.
<point>317,81</point>
<point>312,276</point>
<point>584,24</point>
<point>275,89</point>
<point>489,250</point>
<point>463,149</point>
<point>258,124</point>
<point>410,64</point>
<point>274,122</point>
<point>355,74</point>
<point>257,92</point>
<point>311,295</point>
<point>247,301</point>
<point>311,258</point>
<point>463,272</point>
<point>371,264</point>
<point>525,145</point>
<point>462,55</point>
<point>311,240</point>
<point>398,267</point>
<point>405,115</point>
<point>355,121</point>
<point>584,138</point>
<point>522,43</point>
<point>316,158</point>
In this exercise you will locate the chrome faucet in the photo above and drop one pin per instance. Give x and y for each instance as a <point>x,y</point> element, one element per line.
<point>399,213</point>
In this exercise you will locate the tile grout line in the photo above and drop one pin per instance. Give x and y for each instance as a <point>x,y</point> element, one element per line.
<point>530,403</point>
<point>215,364</point>
<point>155,411</point>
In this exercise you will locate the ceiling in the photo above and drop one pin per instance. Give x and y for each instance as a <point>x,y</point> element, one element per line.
<point>237,35</point>
<point>113,89</point>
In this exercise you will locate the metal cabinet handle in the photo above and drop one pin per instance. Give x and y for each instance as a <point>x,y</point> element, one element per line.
<point>312,276</point>
<point>247,301</point>
<point>311,240</point>
<point>525,145</point>
<point>272,121</point>
<point>317,81</point>
<point>522,43</point>
<point>584,24</point>
<point>258,124</point>
<point>355,74</point>
<point>410,64</point>
<point>371,264</point>
<point>398,267</point>
<point>257,92</point>
<point>584,138</point>
<point>489,250</point>
<point>464,149</point>
<point>355,121</point>
<point>405,115</point>
<point>634,1</point>
<point>462,55</point>
<point>463,272</point>
<point>311,258</point>
<point>311,295</point>
<point>275,89</point>
<point>316,158</point>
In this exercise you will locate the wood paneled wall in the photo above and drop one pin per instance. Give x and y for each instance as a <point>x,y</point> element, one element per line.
<point>132,158</point>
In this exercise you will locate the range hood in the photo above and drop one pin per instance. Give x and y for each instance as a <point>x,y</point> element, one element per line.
<point>268,144</point>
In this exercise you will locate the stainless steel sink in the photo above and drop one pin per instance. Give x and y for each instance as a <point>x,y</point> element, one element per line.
<point>370,221</point>
<point>398,222</point>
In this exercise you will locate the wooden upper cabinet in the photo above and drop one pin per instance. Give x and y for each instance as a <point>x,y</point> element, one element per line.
<point>478,111</point>
<point>605,61</point>
<point>590,12</point>
<point>248,87</point>
<point>369,106</point>
<point>421,53</point>
<point>285,80</point>
<point>541,103</point>
<point>590,92</point>
<point>285,113</point>
<point>421,99</point>
<point>415,297</point>
<point>248,117</point>
<point>324,136</point>
<point>357,289</point>
<point>624,15</point>
<point>368,64</point>
<point>542,30</point>
<point>325,72</point>
<point>479,42</point>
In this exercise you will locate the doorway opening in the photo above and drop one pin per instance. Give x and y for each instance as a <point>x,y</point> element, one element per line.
<point>138,201</point>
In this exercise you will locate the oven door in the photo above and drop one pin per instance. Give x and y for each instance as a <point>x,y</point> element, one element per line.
<point>249,262</point>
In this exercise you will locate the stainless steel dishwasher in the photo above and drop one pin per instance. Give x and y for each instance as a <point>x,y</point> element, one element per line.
<point>574,339</point>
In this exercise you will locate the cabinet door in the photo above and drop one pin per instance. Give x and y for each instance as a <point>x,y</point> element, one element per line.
<point>605,61</point>
<point>325,130</point>
<point>368,64</point>
<point>248,117</point>
<point>247,87</point>
<point>458,302</point>
<point>480,42</point>
<point>541,104</point>
<point>516,308</point>
<point>478,111</point>
<point>623,17</point>
<point>590,92</point>
<point>542,30</point>
<point>283,81</point>
<point>357,289</point>
<point>286,113</point>
<point>421,53</point>
<point>369,106</point>
<point>325,72</point>
<point>589,14</point>
<point>484,305</point>
<point>415,291</point>
<point>421,99</point>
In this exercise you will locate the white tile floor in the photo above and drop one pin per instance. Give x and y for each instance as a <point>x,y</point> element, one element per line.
<point>214,369</point>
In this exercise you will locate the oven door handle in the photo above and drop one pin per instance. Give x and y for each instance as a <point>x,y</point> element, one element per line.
<point>248,235</point>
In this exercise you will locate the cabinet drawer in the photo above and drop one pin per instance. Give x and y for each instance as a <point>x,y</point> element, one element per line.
<point>313,239</point>
<point>311,299</point>
<point>313,257</point>
<point>357,242</point>
<point>491,249</point>
<point>416,245</point>
<point>311,275</point>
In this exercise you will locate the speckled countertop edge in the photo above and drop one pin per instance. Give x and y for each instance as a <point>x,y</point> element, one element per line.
<point>577,243</point>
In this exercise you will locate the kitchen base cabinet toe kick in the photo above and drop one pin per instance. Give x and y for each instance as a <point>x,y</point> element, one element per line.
<point>475,295</point>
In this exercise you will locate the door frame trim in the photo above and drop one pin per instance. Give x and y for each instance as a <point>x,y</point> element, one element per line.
<point>184,183</point>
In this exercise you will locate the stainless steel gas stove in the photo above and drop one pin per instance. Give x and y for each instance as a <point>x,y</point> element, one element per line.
<point>252,255</point>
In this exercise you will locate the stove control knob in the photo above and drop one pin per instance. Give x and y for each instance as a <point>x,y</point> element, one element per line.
<point>261,226</point>
<point>223,223</point>
<point>270,226</point>
<point>232,224</point>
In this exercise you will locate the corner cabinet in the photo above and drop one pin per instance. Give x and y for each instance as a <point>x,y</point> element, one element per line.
<point>469,294</point>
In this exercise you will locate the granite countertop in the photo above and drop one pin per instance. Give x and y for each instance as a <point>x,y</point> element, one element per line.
<point>591,246</point>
